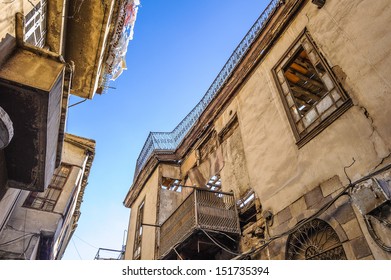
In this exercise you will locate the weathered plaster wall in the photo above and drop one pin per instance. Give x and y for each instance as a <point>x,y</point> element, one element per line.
<point>32,221</point>
<point>86,43</point>
<point>188,162</point>
<point>7,203</point>
<point>7,17</point>
<point>149,195</point>
<point>278,170</point>
<point>57,14</point>
<point>262,153</point>
<point>170,200</point>
<point>290,181</point>
<point>72,186</point>
<point>294,182</point>
<point>73,155</point>
<point>8,10</point>
<point>234,175</point>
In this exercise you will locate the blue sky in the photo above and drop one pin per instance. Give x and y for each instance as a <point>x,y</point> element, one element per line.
<point>179,47</point>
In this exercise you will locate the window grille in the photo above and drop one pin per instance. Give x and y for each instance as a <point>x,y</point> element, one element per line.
<point>138,233</point>
<point>35,25</point>
<point>315,240</point>
<point>310,92</point>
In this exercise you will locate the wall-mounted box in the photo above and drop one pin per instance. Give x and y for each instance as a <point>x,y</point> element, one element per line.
<point>31,88</point>
<point>370,194</point>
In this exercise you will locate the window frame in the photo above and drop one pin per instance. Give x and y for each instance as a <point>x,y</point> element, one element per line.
<point>305,42</point>
<point>51,195</point>
<point>138,238</point>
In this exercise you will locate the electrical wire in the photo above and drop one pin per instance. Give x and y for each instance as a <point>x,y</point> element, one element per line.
<point>28,245</point>
<point>85,242</point>
<point>77,251</point>
<point>16,239</point>
<point>316,214</point>
<point>373,234</point>
<point>215,231</point>
<point>346,167</point>
<point>220,245</point>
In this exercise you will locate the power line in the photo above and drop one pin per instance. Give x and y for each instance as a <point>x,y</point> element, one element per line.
<point>86,242</point>
<point>76,249</point>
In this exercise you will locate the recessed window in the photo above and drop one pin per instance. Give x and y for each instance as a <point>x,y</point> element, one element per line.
<point>311,94</point>
<point>247,209</point>
<point>214,183</point>
<point>47,200</point>
<point>138,233</point>
<point>171,184</point>
<point>315,240</point>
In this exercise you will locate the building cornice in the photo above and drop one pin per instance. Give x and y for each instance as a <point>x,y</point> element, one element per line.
<point>273,28</point>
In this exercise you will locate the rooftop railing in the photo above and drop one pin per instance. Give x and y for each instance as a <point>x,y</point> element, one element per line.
<point>169,141</point>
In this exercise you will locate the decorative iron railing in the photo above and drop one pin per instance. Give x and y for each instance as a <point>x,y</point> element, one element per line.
<point>202,209</point>
<point>169,141</point>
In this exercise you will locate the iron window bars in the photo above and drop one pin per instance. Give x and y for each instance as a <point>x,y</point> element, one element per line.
<point>311,94</point>
<point>35,25</point>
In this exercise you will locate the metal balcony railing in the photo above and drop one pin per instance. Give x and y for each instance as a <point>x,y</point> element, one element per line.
<point>169,141</point>
<point>109,254</point>
<point>201,210</point>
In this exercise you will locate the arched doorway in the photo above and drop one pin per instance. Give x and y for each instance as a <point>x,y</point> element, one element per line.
<point>315,240</point>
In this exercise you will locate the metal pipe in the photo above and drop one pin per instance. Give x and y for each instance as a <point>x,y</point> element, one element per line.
<point>208,190</point>
<point>150,225</point>
<point>196,207</point>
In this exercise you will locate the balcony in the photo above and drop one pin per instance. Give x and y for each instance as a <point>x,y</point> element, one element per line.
<point>203,218</point>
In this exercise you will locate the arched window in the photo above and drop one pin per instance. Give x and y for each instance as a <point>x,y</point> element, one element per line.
<point>315,240</point>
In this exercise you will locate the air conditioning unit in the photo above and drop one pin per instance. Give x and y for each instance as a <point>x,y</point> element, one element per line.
<point>370,194</point>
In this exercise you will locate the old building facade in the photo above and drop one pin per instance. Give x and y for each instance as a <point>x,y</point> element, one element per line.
<point>50,50</point>
<point>42,223</point>
<point>287,156</point>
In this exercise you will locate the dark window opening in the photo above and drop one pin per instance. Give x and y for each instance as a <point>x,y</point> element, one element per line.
<point>171,184</point>
<point>138,233</point>
<point>247,209</point>
<point>45,250</point>
<point>311,94</point>
<point>214,183</point>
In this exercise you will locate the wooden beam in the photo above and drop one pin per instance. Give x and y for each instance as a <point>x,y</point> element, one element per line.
<point>308,80</point>
<point>305,92</point>
<point>299,67</point>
